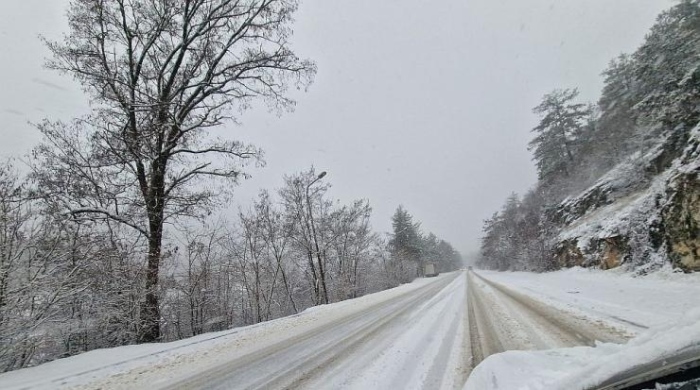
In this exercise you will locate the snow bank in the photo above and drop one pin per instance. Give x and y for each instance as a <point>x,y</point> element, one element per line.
<point>662,309</point>
<point>633,302</point>
<point>583,367</point>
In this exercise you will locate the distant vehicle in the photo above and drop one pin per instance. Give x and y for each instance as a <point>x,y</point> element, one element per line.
<point>469,268</point>
<point>429,270</point>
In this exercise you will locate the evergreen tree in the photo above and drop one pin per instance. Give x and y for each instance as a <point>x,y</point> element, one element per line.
<point>450,259</point>
<point>668,70</point>
<point>614,134</point>
<point>556,144</point>
<point>406,239</point>
<point>489,242</point>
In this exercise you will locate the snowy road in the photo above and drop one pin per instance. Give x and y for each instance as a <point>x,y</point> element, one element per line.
<point>428,334</point>
<point>410,337</point>
<point>415,340</point>
<point>404,342</point>
<point>659,312</point>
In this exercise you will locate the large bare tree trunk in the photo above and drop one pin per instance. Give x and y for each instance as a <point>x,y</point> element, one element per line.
<point>150,309</point>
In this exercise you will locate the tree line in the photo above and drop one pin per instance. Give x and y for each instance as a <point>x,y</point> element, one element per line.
<point>71,284</point>
<point>112,237</point>
<point>411,249</point>
<point>649,104</point>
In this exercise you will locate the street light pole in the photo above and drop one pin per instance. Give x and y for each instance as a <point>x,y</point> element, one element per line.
<point>313,232</point>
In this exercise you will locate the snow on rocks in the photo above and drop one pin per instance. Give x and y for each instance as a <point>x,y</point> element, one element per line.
<point>635,215</point>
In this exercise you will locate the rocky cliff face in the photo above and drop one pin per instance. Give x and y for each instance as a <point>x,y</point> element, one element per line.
<point>618,221</point>
<point>605,253</point>
<point>681,217</point>
<point>569,254</point>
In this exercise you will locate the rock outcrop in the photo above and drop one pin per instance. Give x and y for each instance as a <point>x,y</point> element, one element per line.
<point>617,221</point>
<point>681,220</point>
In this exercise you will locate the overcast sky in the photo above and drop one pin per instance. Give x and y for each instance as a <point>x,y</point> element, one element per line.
<point>416,102</point>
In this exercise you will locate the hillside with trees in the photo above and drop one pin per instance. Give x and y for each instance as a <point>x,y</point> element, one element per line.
<point>618,180</point>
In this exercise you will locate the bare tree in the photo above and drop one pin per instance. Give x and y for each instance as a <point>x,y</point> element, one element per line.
<point>39,282</point>
<point>253,264</point>
<point>200,254</point>
<point>160,73</point>
<point>300,201</point>
<point>276,233</point>
<point>350,239</point>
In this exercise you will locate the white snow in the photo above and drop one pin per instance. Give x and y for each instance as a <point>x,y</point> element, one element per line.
<point>618,217</point>
<point>404,358</point>
<point>583,367</point>
<point>635,303</point>
<point>616,183</point>
<point>663,309</point>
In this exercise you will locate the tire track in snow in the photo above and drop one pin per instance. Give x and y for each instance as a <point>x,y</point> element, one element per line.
<point>437,372</point>
<point>483,339</point>
<point>378,330</point>
<point>426,338</point>
<point>568,328</point>
<point>419,350</point>
<point>434,315</point>
<point>518,321</point>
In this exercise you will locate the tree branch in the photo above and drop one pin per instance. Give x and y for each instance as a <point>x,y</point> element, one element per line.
<point>108,215</point>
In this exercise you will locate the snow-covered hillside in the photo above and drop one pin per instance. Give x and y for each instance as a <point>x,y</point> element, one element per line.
<point>642,220</point>
<point>617,179</point>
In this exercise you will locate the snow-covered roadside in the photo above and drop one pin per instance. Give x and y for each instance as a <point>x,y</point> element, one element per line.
<point>522,323</point>
<point>663,309</point>
<point>636,303</point>
<point>194,353</point>
<point>584,367</point>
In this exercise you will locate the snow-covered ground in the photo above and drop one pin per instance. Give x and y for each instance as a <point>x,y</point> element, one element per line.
<point>424,335</point>
<point>581,368</point>
<point>636,303</point>
<point>520,322</point>
<point>662,310</point>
